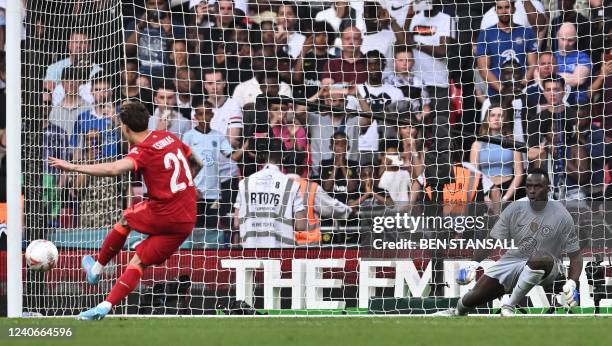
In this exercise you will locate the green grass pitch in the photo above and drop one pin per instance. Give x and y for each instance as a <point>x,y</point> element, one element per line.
<point>343,331</point>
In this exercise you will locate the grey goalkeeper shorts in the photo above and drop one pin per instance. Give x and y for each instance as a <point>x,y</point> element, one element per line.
<point>507,272</point>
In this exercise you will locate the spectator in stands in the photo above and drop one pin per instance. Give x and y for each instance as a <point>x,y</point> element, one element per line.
<point>219,27</point>
<point>166,116</point>
<point>285,126</point>
<point>433,34</point>
<point>503,42</point>
<point>591,138</point>
<point>341,12</point>
<point>79,53</point>
<point>134,86</point>
<point>323,125</point>
<point>373,96</point>
<point>178,57</point>
<point>568,14</point>
<point>210,146</point>
<point>270,48</point>
<point>412,148</point>
<point>288,29</point>
<point>512,99</point>
<point>150,43</point>
<point>218,14</point>
<point>601,89</point>
<point>351,66</point>
<point>502,166</point>
<point>97,129</point>
<point>56,143</point>
<point>227,113</point>
<point>227,119</point>
<point>319,204</point>
<point>411,85</point>
<point>528,13</point>
<point>574,66</point>
<point>547,67</point>
<point>186,83</point>
<point>67,111</point>
<point>393,175</point>
<point>382,32</point>
<point>552,137</point>
<point>369,193</point>
<point>339,175</point>
<point>246,92</point>
<point>308,67</point>
<point>99,203</point>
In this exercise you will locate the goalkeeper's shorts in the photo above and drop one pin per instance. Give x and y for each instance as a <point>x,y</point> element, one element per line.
<point>507,272</point>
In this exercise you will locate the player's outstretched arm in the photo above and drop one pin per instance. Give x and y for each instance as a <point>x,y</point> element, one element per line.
<point>107,169</point>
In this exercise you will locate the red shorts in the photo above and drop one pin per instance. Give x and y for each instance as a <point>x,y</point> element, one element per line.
<point>165,234</point>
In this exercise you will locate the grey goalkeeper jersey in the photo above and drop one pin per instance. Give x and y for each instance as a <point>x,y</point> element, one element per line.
<point>549,231</point>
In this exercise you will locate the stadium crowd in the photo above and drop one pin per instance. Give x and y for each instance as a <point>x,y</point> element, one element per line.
<point>384,104</point>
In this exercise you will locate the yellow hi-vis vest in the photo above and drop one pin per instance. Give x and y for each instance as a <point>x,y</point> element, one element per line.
<point>307,191</point>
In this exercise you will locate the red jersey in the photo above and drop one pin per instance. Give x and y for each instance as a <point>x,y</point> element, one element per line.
<point>163,161</point>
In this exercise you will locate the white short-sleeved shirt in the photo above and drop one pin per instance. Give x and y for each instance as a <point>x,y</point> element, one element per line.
<point>247,91</point>
<point>428,31</point>
<point>377,97</point>
<point>381,41</point>
<point>520,15</point>
<point>226,117</point>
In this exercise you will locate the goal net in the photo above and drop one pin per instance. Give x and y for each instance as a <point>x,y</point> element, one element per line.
<point>406,126</point>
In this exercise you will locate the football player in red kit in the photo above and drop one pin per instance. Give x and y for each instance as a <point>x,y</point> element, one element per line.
<point>167,217</point>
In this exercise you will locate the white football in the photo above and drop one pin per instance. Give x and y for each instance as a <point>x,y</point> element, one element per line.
<point>41,255</point>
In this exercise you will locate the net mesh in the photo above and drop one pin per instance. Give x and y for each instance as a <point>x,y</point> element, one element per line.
<point>405,126</point>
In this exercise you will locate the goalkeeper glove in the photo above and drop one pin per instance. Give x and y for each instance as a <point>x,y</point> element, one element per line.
<point>467,274</point>
<point>571,293</point>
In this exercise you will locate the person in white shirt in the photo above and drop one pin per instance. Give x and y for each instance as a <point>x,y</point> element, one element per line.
<point>373,96</point>
<point>79,49</point>
<point>382,32</point>
<point>433,31</point>
<point>269,209</point>
<point>227,120</point>
<point>341,11</point>
<point>393,177</point>
<point>247,91</point>
<point>166,115</point>
<point>528,13</point>
<point>411,85</point>
<point>287,27</point>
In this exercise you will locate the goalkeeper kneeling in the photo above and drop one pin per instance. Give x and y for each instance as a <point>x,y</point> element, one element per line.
<point>542,230</point>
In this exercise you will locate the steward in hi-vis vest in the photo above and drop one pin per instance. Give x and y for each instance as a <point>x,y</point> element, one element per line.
<point>268,207</point>
<point>317,202</point>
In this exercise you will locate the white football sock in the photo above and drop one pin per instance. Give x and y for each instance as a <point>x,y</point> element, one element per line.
<point>526,281</point>
<point>97,268</point>
<point>106,305</point>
